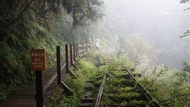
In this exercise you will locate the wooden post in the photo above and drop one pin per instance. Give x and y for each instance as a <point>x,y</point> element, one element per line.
<point>39,89</point>
<point>74,52</point>
<point>38,62</point>
<point>66,58</point>
<point>58,65</point>
<point>71,54</point>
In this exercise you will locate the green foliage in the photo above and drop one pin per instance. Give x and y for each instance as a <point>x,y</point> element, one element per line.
<point>169,86</point>
<point>186,67</point>
<point>15,70</point>
<point>120,91</point>
<point>68,102</point>
<point>77,87</point>
<point>185,74</point>
<point>87,68</point>
<point>58,99</point>
<point>82,10</point>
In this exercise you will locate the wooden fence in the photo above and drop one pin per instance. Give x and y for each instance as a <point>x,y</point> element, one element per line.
<point>72,53</point>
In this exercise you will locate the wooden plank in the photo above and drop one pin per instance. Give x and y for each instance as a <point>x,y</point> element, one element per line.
<point>63,66</point>
<point>19,103</point>
<point>23,95</point>
<point>67,89</point>
<point>50,58</point>
<point>46,85</point>
<point>86,105</point>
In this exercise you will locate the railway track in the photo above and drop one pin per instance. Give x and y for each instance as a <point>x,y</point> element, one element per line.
<point>117,88</point>
<point>89,99</point>
<point>146,94</point>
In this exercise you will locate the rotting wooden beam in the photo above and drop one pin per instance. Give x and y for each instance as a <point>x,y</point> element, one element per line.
<point>72,74</point>
<point>46,85</point>
<point>67,90</point>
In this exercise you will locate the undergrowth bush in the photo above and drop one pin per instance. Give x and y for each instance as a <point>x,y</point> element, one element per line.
<point>87,68</point>
<point>168,86</point>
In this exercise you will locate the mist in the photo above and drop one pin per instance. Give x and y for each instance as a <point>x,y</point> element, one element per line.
<point>160,21</point>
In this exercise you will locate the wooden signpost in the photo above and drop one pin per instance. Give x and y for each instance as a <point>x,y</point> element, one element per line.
<point>38,59</point>
<point>38,63</point>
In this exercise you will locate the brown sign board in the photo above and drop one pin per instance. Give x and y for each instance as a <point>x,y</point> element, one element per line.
<point>38,59</point>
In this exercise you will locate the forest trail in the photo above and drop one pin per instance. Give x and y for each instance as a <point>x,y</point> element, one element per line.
<point>26,96</point>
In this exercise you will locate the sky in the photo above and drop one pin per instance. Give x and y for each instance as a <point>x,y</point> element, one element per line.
<point>145,15</point>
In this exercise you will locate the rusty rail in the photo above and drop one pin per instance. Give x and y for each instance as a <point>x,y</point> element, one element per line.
<point>144,91</point>
<point>99,96</point>
<point>50,58</point>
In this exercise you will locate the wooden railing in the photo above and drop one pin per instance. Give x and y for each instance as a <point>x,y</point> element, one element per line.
<point>72,52</point>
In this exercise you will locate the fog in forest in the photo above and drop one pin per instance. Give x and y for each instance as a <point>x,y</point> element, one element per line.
<point>160,22</point>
